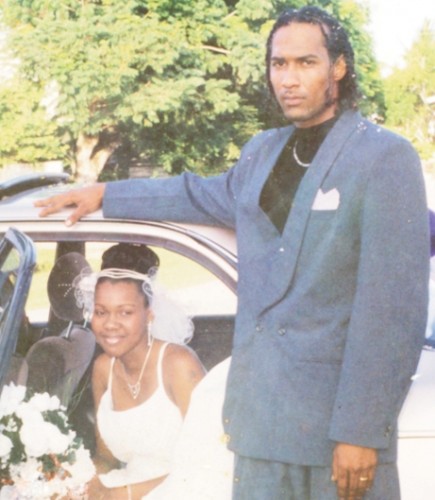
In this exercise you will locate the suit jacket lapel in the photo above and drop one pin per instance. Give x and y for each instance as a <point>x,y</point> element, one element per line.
<point>294,230</point>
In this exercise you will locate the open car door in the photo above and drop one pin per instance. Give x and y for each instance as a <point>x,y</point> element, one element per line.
<point>17,260</point>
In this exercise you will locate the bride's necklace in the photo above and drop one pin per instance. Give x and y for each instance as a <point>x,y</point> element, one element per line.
<point>135,388</point>
<point>297,159</point>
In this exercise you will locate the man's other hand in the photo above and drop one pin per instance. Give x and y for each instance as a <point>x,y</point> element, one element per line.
<point>353,469</point>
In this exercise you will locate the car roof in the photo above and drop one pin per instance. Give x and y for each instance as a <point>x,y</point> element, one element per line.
<point>19,210</point>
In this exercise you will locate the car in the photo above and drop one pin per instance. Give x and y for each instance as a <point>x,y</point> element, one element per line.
<point>16,185</point>
<point>198,267</point>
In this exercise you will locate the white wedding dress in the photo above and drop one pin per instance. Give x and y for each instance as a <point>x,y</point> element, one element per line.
<point>202,466</point>
<point>142,438</point>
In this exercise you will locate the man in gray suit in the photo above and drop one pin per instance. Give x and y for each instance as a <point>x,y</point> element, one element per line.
<point>332,232</point>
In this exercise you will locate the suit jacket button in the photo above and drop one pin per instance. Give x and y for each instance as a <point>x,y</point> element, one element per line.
<point>226,438</point>
<point>281,331</point>
<point>258,327</point>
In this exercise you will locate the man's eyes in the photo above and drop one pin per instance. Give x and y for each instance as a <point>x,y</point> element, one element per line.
<point>308,62</point>
<point>276,63</point>
<point>279,63</point>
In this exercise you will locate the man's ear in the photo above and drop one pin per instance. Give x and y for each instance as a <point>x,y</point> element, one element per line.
<point>340,68</point>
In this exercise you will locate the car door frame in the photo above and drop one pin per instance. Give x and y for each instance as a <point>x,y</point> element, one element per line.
<point>11,317</point>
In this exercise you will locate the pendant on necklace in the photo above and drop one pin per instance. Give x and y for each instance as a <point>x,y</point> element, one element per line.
<point>134,389</point>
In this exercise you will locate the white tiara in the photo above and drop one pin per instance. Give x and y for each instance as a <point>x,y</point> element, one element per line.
<point>84,285</point>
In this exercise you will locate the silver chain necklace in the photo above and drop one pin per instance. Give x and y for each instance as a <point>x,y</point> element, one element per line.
<point>135,388</point>
<point>297,159</point>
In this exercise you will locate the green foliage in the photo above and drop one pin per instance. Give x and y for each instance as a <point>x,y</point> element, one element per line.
<point>10,424</point>
<point>355,19</point>
<point>408,91</point>
<point>28,135</point>
<point>181,80</point>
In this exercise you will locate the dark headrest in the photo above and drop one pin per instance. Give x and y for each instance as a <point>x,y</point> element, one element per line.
<point>56,364</point>
<point>60,289</point>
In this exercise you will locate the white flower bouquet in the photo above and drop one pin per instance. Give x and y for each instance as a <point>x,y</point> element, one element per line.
<point>41,457</point>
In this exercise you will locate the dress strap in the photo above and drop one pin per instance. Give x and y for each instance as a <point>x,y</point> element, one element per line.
<point>160,364</point>
<point>109,382</point>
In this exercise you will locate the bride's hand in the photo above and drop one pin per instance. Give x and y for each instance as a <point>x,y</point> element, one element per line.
<point>97,491</point>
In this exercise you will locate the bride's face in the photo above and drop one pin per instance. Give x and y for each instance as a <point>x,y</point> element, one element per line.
<point>121,316</point>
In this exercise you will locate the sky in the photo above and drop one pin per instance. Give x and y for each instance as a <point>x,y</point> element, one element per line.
<point>394,26</point>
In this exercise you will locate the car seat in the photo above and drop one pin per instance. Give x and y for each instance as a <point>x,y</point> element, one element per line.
<point>56,364</point>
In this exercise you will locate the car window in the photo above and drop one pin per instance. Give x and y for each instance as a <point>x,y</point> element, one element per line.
<point>38,306</point>
<point>55,355</point>
<point>200,291</point>
<point>197,289</point>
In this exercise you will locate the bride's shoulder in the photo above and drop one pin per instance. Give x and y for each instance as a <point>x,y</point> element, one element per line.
<point>180,356</point>
<point>181,368</point>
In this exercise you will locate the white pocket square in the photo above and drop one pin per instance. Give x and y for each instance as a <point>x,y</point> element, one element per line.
<point>326,201</point>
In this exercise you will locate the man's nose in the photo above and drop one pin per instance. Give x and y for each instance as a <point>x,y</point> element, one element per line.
<point>290,77</point>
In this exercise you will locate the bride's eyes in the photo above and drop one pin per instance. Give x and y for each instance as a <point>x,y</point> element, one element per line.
<point>122,313</point>
<point>126,312</point>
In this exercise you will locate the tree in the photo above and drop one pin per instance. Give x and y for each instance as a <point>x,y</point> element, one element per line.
<point>182,81</point>
<point>28,135</point>
<point>409,92</point>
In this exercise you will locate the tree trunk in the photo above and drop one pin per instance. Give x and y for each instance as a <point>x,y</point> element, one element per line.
<point>91,156</point>
<point>84,168</point>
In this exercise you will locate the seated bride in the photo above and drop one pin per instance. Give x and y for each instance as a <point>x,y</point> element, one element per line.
<point>143,381</point>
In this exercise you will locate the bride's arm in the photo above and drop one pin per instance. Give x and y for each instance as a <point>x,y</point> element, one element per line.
<point>97,491</point>
<point>182,370</point>
<point>104,460</point>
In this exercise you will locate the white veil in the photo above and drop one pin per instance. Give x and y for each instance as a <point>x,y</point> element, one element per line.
<point>171,323</point>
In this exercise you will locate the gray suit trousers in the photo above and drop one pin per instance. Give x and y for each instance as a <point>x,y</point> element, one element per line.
<point>264,480</point>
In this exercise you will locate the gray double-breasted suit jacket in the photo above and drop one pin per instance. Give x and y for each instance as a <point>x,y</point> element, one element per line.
<point>332,313</point>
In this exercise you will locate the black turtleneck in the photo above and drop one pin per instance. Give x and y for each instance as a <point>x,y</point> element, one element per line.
<point>279,190</point>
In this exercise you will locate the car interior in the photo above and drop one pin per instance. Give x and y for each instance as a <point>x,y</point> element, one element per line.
<point>55,353</point>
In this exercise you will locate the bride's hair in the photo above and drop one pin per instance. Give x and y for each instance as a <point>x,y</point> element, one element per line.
<point>140,259</point>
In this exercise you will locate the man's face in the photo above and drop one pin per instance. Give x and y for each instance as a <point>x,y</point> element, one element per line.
<point>304,80</point>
